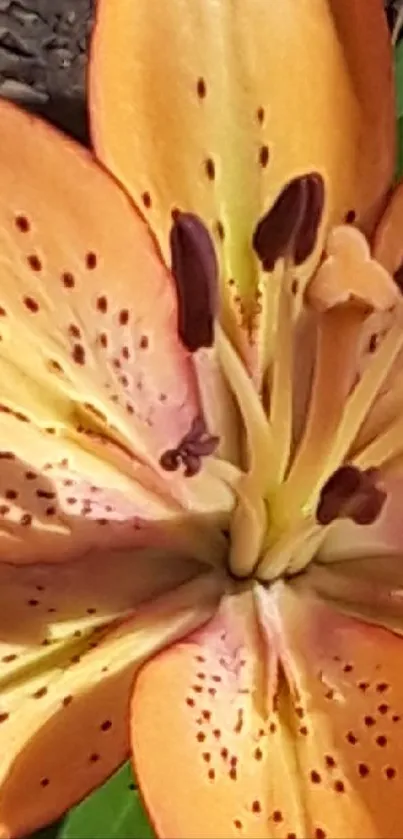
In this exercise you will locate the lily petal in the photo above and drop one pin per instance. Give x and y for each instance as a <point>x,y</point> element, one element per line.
<point>205,706</point>
<point>192,109</point>
<point>370,589</point>
<point>303,739</point>
<point>388,248</point>
<point>348,738</point>
<point>88,312</point>
<point>64,707</point>
<point>58,501</point>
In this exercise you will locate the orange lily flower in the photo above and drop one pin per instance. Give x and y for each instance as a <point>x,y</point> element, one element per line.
<point>201,429</point>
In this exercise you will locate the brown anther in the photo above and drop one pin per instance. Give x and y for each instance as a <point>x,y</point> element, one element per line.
<point>195,272</point>
<point>352,494</point>
<point>349,275</point>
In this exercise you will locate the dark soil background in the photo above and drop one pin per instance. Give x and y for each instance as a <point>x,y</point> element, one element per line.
<point>43,46</point>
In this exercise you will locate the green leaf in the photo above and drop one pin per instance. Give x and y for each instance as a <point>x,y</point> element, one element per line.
<point>114,811</point>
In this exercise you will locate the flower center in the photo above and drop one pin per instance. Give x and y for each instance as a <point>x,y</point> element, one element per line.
<point>320,419</point>
<point>303,476</point>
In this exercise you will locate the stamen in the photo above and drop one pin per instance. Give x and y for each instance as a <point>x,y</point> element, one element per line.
<point>281,388</point>
<point>351,494</point>
<point>249,520</point>
<point>259,437</point>
<point>195,271</point>
<point>197,443</point>
<point>364,394</point>
<point>346,288</point>
<point>290,228</point>
<point>283,239</point>
<point>290,551</point>
<point>275,234</point>
<point>334,371</point>
<point>309,228</point>
<point>384,448</point>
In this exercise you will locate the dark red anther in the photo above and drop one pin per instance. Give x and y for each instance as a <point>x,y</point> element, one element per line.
<point>353,494</point>
<point>290,227</point>
<point>195,271</point>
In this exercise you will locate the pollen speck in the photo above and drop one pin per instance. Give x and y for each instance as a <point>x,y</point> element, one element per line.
<point>91,260</point>
<point>79,354</point>
<point>339,786</point>
<point>40,693</point>
<point>102,304</point>
<point>31,304</point>
<point>68,279</point>
<point>22,224</point>
<point>74,331</point>
<point>34,262</point>
<point>209,166</point>
<point>264,156</point>
<point>220,230</point>
<point>201,88</point>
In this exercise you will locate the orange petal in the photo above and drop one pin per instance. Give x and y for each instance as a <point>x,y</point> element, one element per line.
<point>212,758</point>
<point>63,707</point>
<point>369,588</point>
<point>349,743</point>
<point>388,245</point>
<point>192,109</point>
<point>87,310</point>
<point>322,761</point>
<point>58,501</point>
